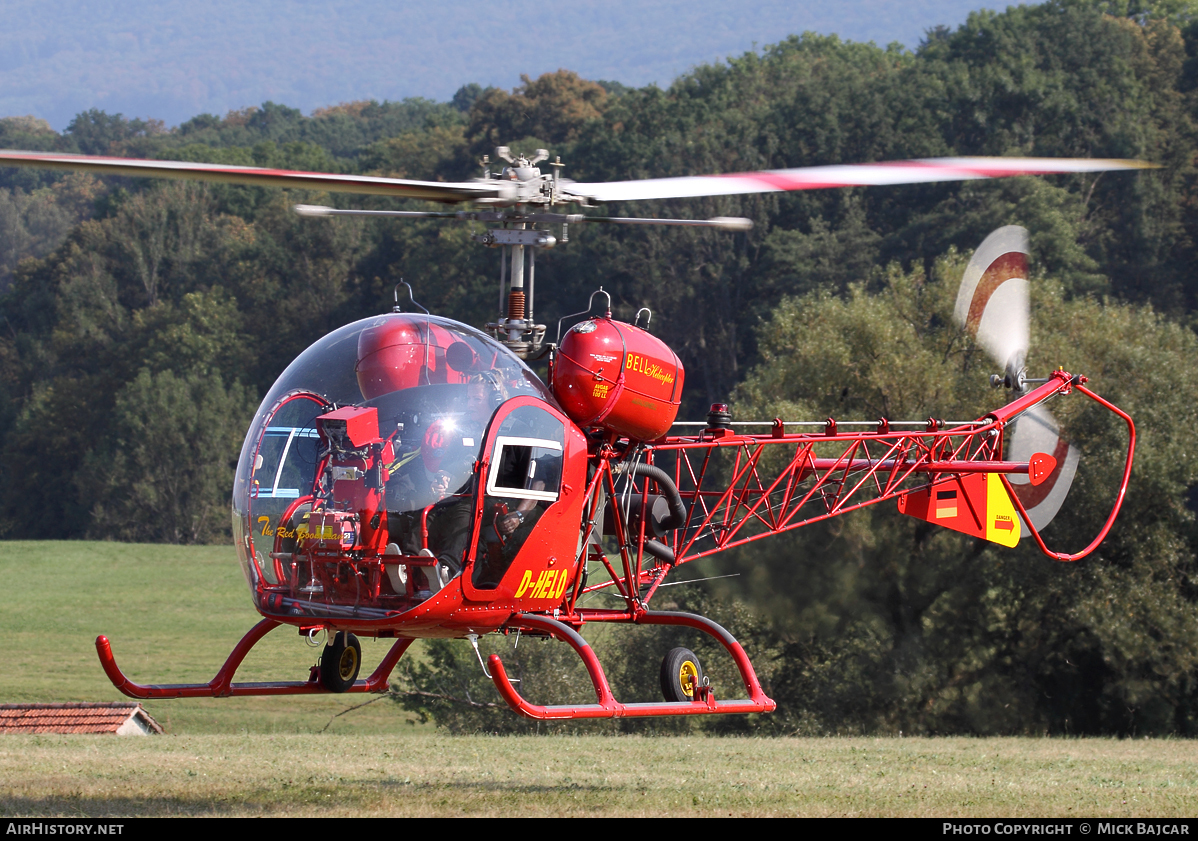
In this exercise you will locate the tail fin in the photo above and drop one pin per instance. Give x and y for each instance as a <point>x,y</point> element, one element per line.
<point>976,504</point>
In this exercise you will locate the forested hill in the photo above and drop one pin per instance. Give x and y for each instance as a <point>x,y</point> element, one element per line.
<point>134,351</point>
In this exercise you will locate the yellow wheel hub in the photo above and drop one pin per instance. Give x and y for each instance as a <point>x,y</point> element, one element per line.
<point>348,666</point>
<point>688,678</point>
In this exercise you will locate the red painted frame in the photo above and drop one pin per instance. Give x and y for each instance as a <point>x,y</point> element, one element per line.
<point>606,705</point>
<point>222,686</point>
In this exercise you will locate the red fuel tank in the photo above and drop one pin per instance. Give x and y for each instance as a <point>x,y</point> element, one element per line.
<point>615,376</point>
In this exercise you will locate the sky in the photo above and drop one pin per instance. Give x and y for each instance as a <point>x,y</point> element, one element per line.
<point>173,59</point>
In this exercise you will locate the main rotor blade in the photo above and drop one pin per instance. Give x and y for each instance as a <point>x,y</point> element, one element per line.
<point>261,177</point>
<point>1036,431</point>
<point>723,223</point>
<point>992,303</point>
<point>852,175</point>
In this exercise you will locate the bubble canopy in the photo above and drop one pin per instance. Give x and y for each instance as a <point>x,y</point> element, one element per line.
<point>434,383</point>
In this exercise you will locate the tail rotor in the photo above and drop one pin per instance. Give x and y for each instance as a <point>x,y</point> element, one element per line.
<point>993,307</point>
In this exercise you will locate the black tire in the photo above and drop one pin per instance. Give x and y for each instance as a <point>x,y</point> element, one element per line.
<point>340,662</point>
<point>679,664</point>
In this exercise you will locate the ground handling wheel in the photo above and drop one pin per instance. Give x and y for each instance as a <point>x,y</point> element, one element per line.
<point>681,675</point>
<point>340,662</point>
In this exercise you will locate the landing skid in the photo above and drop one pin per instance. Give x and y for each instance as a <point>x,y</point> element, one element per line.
<point>222,685</point>
<point>607,706</point>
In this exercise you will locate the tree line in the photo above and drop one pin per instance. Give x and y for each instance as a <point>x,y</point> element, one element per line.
<point>144,320</point>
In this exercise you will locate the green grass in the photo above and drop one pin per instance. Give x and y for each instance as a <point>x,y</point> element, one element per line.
<point>425,774</point>
<point>173,614</point>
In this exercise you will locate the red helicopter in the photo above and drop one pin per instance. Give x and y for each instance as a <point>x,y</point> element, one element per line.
<point>410,477</point>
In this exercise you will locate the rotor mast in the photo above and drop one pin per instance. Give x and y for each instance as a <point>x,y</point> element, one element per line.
<point>516,326</point>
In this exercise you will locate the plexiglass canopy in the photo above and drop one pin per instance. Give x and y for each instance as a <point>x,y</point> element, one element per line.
<point>435,384</point>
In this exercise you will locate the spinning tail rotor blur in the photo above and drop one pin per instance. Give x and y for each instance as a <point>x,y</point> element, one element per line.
<point>993,307</point>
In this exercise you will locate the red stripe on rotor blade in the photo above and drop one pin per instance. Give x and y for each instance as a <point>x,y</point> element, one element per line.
<point>785,182</point>
<point>1004,267</point>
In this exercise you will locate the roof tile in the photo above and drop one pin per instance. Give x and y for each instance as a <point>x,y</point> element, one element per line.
<point>72,717</point>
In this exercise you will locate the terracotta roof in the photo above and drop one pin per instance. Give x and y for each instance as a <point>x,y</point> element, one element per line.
<point>75,718</point>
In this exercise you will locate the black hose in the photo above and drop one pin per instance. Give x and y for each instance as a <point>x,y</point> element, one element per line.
<point>678,513</point>
<point>660,551</point>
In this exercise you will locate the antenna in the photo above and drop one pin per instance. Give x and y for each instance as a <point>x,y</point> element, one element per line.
<point>397,307</point>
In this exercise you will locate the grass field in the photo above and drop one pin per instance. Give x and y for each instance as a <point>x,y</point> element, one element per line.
<point>173,613</point>
<point>427,774</point>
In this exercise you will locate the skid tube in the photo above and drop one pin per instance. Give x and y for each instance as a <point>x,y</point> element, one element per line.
<point>222,685</point>
<point>607,706</point>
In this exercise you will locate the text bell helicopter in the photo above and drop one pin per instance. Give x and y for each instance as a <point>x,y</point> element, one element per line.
<point>410,477</point>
